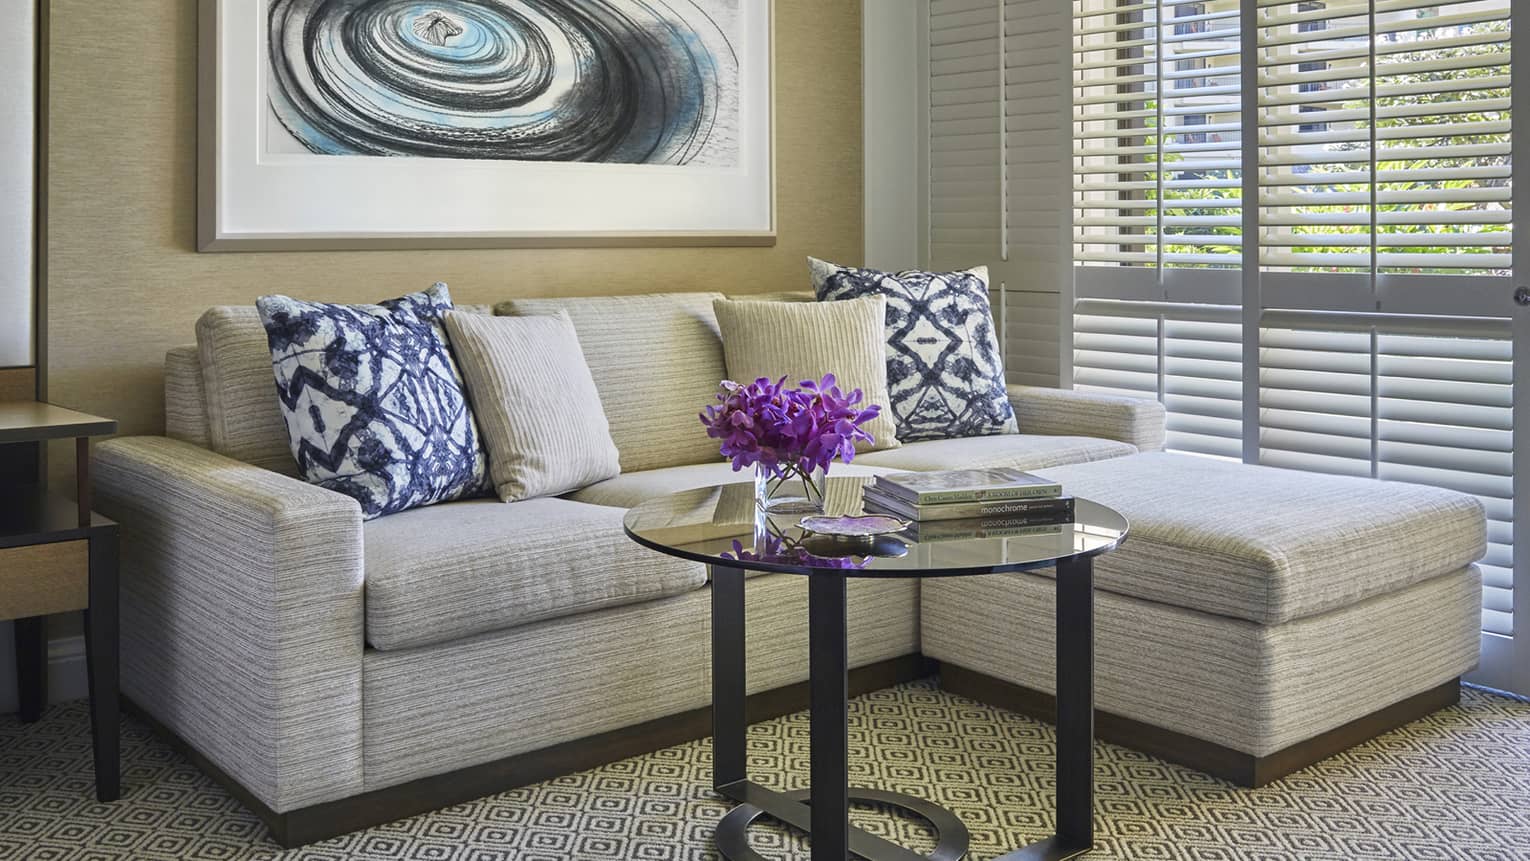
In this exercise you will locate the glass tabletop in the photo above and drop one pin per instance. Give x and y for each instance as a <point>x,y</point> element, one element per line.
<point>720,525</point>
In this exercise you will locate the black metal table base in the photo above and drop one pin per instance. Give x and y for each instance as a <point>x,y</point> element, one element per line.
<point>793,809</point>
<point>824,811</point>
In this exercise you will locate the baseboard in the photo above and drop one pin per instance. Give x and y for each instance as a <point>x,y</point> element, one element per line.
<point>1234,766</point>
<point>66,669</point>
<point>331,819</point>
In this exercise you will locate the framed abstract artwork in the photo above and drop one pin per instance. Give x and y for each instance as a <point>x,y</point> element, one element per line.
<point>331,124</point>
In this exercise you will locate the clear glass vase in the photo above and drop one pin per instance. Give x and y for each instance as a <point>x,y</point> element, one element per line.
<point>786,489</point>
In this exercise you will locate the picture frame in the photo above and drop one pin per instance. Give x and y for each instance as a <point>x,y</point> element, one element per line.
<point>272,176</point>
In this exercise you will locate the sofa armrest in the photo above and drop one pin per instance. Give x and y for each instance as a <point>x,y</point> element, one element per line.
<point>1062,412</point>
<point>242,614</point>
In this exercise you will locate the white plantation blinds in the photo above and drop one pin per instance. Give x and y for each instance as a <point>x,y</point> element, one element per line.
<point>1428,401</point>
<point>997,156</point>
<point>1308,203</point>
<point>1037,140</point>
<point>1157,144</point>
<point>1032,336</point>
<point>966,190</point>
<point>1187,356</point>
<point>1384,136</point>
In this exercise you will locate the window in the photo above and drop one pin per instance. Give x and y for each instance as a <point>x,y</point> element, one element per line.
<point>1194,137</point>
<point>1368,221</point>
<point>1269,198</point>
<point>1188,18</point>
<point>1158,142</point>
<point>1409,171</point>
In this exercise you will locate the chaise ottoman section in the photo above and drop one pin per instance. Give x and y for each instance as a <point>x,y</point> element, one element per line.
<point>1237,692</point>
<point>1271,545</point>
<point>1254,621</point>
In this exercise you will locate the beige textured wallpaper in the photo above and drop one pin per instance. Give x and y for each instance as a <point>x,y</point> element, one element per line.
<point>124,282</point>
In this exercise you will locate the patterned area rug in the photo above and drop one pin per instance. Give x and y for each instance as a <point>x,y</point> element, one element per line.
<point>1454,785</point>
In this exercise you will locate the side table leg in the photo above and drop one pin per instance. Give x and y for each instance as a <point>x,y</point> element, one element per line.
<point>830,731</point>
<point>31,637</point>
<point>1075,718</point>
<point>101,663</point>
<point>1075,702</point>
<point>730,725</point>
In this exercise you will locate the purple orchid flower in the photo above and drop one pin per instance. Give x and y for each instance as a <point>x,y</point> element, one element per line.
<point>804,428</point>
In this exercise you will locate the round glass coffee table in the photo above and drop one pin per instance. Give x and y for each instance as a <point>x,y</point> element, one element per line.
<point>721,528</point>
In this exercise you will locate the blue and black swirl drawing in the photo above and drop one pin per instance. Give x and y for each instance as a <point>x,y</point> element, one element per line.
<point>622,81</point>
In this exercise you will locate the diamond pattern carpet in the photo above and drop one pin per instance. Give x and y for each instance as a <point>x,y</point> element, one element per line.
<point>1454,785</point>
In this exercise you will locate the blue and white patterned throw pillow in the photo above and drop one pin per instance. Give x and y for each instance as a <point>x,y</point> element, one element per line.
<point>375,406</point>
<point>945,372</point>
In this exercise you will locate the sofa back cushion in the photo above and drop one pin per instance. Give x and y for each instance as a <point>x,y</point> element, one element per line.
<point>656,360</point>
<point>779,296</point>
<point>185,397</point>
<point>244,418</point>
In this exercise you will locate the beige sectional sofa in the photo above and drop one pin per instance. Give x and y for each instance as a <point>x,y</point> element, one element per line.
<point>312,658</point>
<point>339,673</point>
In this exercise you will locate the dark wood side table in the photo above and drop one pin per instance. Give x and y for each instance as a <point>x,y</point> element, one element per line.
<point>58,556</point>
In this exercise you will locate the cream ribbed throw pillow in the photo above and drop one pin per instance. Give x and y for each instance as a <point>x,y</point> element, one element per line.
<point>535,402</point>
<point>805,340</point>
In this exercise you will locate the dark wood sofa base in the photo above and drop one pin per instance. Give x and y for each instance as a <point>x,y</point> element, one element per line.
<point>1231,765</point>
<point>332,819</point>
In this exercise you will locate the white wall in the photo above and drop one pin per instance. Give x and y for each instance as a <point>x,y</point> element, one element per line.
<point>17,106</point>
<point>890,90</point>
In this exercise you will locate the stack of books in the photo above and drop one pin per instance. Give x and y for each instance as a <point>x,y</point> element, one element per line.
<point>972,503</point>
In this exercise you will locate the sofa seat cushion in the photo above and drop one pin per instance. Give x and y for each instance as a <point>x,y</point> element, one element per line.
<point>631,488</point>
<point>449,571</point>
<point>1271,545</point>
<point>1021,451</point>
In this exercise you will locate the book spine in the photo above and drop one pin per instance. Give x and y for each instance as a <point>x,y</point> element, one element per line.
<point>993,494</point>
<point>1002,529</point>
<point>1052,507</point>
<point>888,503</point>
<point>1056,506</point>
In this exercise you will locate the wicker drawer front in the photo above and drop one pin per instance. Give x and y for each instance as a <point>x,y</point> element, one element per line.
<point>44,578</point>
